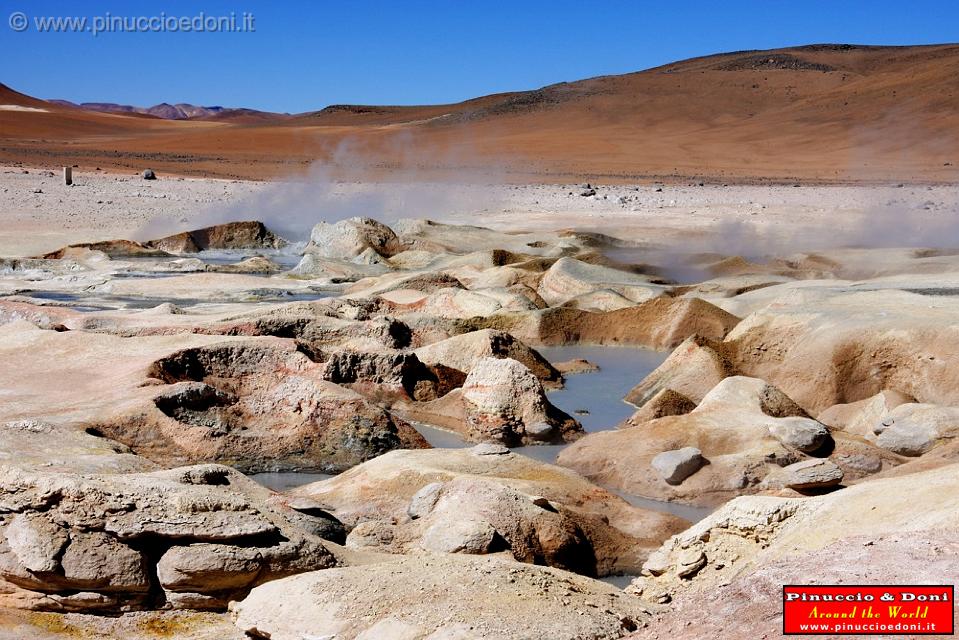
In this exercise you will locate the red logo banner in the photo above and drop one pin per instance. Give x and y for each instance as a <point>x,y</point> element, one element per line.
<point>869,609</point>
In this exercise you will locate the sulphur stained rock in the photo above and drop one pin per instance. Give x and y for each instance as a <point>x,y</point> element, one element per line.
<point>658,323</point>
<point>692,370</point>
<point>569,278</point>
<point>844,347</point>
<point>666,402</point>
<point>756,544</point>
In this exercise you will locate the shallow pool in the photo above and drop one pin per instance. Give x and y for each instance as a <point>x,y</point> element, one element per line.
<point>601,393</point>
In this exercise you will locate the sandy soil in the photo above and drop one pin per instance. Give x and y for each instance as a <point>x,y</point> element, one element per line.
<point>39,213</point>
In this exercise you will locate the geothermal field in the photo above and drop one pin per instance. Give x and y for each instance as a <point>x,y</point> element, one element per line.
<point>566,401</point>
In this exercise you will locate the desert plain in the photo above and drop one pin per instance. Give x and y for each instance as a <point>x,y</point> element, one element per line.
<point>626,391</point>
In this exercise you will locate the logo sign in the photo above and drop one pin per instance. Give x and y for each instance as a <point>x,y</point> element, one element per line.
<point>868,610</point>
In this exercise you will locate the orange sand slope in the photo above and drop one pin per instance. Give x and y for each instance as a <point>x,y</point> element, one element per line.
<point>814,113</point>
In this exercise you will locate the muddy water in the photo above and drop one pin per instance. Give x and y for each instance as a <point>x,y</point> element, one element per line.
<point>286,480</point>
<point>93,301</point>
<point>601,393</point>
<point>153,267</point>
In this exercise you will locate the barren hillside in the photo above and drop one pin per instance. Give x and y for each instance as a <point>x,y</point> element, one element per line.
<point>814,113</point>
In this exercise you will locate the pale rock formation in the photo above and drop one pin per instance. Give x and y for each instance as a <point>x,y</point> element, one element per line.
<point>468,598</point>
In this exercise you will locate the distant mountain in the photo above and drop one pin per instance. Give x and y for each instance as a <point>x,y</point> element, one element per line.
<point>166,111</point>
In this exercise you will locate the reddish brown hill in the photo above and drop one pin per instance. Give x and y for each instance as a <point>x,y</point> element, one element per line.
<point>820,112</point>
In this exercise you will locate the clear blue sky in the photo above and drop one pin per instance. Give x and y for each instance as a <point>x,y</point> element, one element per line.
<point>305,55</point>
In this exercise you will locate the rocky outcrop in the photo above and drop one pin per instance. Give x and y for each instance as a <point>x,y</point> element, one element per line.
<point>111,248</point>
<point>659,323</point>
<point>464,351</point>
<point>405,501</point>
<point>692,370</point>
<point>737,559</point>
<point>250,234</point>
<point>499,401</point>
<point>193,538</point>
<point>47,446</point>
<point>468,598</point>
<point>666,402</point>
<point>860,417</point>
<point>569,278</point>
<point>846,347</point>
<point>744,427</point>
<point>259,406</point>
<point>751,604</point>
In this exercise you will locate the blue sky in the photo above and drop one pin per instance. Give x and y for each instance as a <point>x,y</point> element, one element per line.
<point>306,55</point>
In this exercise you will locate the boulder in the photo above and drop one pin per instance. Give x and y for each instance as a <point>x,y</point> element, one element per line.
<point>349,238</point>
<point>460,535</point>
<point>677,465</point>
<point>504,402</point>
<point>809,474</point>
<point>912,429</point>
<point>803,434</point>
<point>425,499</point>
<point>468,597</point>
<point>250,234</point>
<point>36,541</point>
